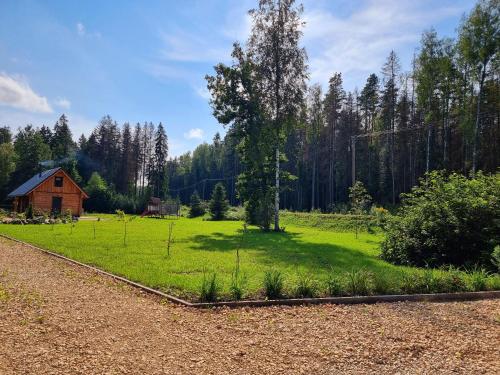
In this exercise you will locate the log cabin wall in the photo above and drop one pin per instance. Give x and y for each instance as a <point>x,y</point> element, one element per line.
<point>72,197</point>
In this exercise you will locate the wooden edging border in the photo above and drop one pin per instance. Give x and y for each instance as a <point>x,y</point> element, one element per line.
<point>435,297</point>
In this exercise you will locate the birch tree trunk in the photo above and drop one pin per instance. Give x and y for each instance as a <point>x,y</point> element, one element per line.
<point>476,126</point>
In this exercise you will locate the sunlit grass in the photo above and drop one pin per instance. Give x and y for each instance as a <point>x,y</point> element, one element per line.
<point>206,246</point>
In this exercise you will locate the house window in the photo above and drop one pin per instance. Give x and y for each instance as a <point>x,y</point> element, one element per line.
<point>58,181</point>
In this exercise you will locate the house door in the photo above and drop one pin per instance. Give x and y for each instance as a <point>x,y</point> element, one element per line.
<point>56,205</point>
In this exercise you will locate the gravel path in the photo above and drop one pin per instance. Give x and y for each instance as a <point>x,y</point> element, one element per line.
<point>56,318</point>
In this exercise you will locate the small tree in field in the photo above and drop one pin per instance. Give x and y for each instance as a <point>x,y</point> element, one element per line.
<point>360,199</point>
<point>195,207</point>
<point>218,203</point>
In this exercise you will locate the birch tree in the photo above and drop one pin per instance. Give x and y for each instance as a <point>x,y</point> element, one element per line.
<point>281,63</point>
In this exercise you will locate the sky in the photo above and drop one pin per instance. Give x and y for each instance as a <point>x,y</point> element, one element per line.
<point>146,60</point>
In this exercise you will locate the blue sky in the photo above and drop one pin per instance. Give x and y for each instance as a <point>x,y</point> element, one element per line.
<point>146,60</point>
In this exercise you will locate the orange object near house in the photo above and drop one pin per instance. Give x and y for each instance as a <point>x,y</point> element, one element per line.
<point>51,191</point>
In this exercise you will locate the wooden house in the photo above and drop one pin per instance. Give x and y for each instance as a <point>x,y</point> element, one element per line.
<point>51,191</point>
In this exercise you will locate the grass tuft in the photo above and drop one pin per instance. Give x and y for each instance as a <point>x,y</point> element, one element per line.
<point>306,287</point>
<point>273,284</point>
<point>209,289</point>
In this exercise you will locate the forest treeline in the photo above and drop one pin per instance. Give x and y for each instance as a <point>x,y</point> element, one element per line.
<point>442,114</point>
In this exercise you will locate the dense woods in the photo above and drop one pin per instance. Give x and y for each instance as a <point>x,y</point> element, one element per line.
<point>287,144</point>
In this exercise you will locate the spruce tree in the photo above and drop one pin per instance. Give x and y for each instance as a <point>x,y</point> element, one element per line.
<point>61,141</point>
<point>218,204</point>
<point>195,207</point>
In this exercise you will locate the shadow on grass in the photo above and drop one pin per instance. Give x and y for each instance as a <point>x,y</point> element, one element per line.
<point>288,249</point>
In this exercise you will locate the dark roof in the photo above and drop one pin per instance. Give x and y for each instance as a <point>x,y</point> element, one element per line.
<point>32,183</point>
<point>154,200</point>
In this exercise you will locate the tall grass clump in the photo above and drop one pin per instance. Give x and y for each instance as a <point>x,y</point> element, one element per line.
<point>238,285</point>
<point>383,284</point>
<point>210,287</point>
<point>359,282</point>
<point>306,286</point>
<point>477,280</point>
<point>273,284</point>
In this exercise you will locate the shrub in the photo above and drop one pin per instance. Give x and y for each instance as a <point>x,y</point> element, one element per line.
<point>306,287</point>
<point>273,284</point>
<point>359,282</point>
<point>446,220</point>
<point>210,288</point>
<point>259,209</point>
<point>334,285</point>
<point>381,215</point>
<point>495,258</point>
<point>218,204</point>
<point>195,207</point>
<point>29,212</point>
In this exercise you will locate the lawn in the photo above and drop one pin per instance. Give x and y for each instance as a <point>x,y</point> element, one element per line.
<point>206,246</point>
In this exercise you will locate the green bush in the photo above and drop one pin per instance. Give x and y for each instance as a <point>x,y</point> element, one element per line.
<point>446,220</point>
<point>334,285</point>
<point>273,284</point>
<point>259,209</point>
<point>29,212</point>
<point>195,206</point>
<point>210,288</point>
<point>495,258</point>
<point>218,204</point>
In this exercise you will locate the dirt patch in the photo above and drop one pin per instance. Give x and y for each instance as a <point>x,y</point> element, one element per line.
<point>58,318</point>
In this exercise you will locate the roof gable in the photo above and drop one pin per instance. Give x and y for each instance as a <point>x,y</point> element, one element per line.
<point>32,183</point>
<point>37,179</point>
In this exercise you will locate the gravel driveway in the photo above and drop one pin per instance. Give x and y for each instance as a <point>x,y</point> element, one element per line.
<point>57,318</point>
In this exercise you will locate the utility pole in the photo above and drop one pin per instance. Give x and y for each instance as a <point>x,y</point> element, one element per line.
<point>353,156</point>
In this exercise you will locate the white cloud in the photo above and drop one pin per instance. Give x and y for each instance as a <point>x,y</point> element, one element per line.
<point>358,44</point>
<point>15,119</point>
<point>195,133</point>
<point>203,93</point>
<point>63,103</point>
<point>16,92</point>
<point>182,46</point>
<point>178,147</point>
<point>82,31</point>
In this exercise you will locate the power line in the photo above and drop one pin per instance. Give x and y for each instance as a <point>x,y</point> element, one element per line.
<point>374,134</point>
<point>201,181</point>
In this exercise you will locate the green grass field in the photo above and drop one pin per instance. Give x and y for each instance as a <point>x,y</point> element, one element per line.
<point>207,246</point>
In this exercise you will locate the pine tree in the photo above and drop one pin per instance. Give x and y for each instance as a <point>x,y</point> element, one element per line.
<point>316,122</point>
<point>160,162</point>
<point>126,174</point>
<point>218,204</point>
<point>61,141</point>
<point>333,104</point>
<point>195,207</point>
<point>136,156</point>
